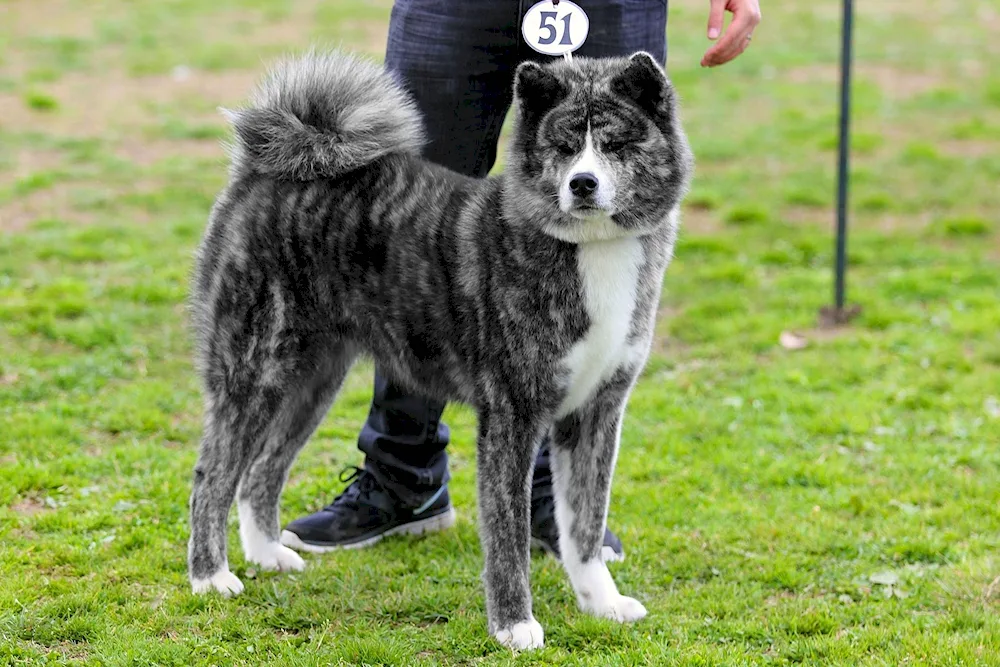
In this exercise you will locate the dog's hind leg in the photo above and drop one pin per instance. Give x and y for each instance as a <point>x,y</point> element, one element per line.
<point>584,450</point>
<point>251,362</point>
<point>260,489</point>
<point>238,416</point>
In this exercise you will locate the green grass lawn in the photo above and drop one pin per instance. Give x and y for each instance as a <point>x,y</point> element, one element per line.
<point>838,504</point>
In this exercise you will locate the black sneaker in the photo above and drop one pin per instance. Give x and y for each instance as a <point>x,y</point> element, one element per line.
<point>545,534</point>
<point>362,515</point>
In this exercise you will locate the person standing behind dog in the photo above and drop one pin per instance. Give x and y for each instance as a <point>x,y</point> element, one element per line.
<point>457,59</point>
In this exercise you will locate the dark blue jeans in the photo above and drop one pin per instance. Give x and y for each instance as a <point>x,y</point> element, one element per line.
<point>457,58</point>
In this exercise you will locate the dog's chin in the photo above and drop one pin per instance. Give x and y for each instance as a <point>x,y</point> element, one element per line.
<point>589,212</point>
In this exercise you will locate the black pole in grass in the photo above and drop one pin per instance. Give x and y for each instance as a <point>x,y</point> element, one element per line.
<point>845,146</point>
<point>840,314</point>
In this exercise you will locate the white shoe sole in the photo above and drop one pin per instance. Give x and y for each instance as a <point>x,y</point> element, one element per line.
<point>428,525</point>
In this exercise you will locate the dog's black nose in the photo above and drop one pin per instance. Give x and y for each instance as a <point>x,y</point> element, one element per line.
<point>583,184</point>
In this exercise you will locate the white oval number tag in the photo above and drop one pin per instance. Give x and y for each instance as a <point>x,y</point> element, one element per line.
<point>555,28</point>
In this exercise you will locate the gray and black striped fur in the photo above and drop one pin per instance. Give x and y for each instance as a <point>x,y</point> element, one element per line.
<point>523,295</point>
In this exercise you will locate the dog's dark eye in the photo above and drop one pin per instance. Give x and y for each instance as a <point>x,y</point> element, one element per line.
<point>565,149</point>
<point>614,145</point>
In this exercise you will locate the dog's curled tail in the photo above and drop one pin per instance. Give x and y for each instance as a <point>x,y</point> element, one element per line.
<point>322,115</point>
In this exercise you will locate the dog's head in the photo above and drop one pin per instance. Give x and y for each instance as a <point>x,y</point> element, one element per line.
<point>598,151</point>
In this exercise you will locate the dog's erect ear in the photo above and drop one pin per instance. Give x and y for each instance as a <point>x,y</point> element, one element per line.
<point>644,82</point>
<point>537,88</point>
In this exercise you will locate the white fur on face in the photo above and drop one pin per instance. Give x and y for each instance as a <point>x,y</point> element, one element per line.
<point>590,160</point>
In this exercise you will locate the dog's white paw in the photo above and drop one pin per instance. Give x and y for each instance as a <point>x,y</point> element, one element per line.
<point>520,636</point>
<point>223,581</point>
<point>620,608</point>
<point>274,556</point>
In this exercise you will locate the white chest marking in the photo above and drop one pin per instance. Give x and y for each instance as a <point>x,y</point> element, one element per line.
<point>609,271</point>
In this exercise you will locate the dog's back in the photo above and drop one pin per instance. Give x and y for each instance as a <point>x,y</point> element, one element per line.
<point>331,228</point>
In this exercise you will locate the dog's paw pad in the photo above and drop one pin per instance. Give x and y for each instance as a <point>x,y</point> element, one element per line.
<point>520,636</point>
<point>278,557</point>
<point>623,609</point>
<point>223,581</point>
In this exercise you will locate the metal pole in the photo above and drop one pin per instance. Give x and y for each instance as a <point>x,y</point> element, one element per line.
<point>845,146</point>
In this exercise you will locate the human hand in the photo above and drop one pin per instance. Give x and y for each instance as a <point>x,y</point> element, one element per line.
<point>746,16</point>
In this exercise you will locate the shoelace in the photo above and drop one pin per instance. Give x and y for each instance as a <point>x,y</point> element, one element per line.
<point>359,481</point>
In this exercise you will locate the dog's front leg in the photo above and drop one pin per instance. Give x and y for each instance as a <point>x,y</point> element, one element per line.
<point>585,446</point>
<point>506,452</point>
